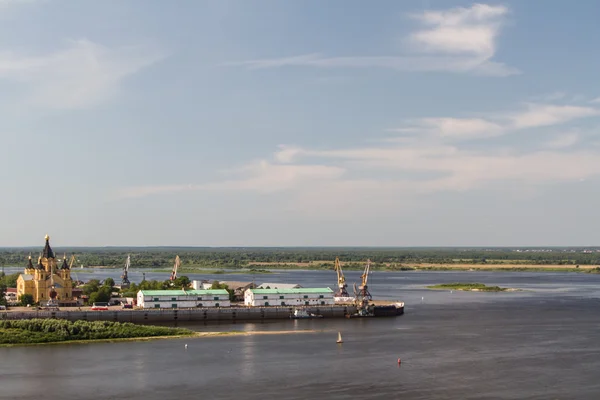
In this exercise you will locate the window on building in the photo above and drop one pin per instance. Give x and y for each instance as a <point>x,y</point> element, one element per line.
<point>216,298</point>
<point>306,296</point>
<point>322,303</point>
<point>157,306</point>
<point>281,297</point>
<point>156,299</point>
<point>306,303</point>
<point>173,298</point>
<point>216,304</point>
<point>320,296</point>
<point>199,298</point>
<point>173,305</point>
<point>266,303</point>
<point>199,304</point>
<point>265,297</point>
<point>283,303</point>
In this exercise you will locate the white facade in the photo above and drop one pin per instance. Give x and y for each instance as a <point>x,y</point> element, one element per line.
<point>183,298</point>
<point>289,297</point>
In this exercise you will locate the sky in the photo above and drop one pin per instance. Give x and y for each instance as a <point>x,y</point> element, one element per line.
<point>308,123</point>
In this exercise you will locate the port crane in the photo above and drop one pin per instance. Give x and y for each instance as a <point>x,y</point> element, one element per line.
<point>125,283</point>
<point>72,261</point>
<point>362,295</point>
<point>174,272</point>
<point>342,291</point>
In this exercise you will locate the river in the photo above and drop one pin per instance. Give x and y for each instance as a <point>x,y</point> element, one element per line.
<point>538,343</point>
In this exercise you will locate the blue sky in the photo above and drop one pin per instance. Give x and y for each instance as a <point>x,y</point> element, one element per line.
<point>263,123</point>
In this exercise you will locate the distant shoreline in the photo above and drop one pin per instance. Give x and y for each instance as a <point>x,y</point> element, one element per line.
<point>265,268</point>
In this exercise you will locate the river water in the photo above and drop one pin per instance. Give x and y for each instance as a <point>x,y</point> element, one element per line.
<point>538,343</point>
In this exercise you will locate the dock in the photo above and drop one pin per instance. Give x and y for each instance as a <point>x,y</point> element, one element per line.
<point>230,314</point>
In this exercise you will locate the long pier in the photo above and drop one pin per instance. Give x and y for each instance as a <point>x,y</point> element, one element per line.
<point>184,314</point>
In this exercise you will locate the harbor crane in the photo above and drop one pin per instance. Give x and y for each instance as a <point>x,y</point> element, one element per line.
<point>362,295</point>
<point>125,283</point>
<point>342,291</point>
<point>174,272</point>
<point>72,261</point>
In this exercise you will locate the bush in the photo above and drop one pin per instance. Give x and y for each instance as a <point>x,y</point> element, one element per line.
<point>59,330</point>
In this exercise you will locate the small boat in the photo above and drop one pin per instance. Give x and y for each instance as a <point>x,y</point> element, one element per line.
<point>339,338</point>
<point>303,314</point>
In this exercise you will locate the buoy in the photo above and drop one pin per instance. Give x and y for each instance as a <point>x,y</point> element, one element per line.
<point>186,345</point>
<point>399,361</point>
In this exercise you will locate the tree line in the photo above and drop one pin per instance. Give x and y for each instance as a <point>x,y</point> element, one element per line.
<point>233,258</point>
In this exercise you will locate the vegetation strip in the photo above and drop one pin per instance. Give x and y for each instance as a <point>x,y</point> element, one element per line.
<point>471,287</point>
<point>32,331</point>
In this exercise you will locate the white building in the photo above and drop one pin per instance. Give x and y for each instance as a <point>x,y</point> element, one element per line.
<point>279,286</point>
<point>289,297</point>
<point>183,298</point>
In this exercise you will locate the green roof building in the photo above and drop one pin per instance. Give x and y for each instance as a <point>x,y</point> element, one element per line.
<point>289,297</point>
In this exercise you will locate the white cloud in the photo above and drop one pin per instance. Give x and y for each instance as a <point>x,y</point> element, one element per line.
<point>538,115</point>
<point>532,116</point>
<point>261,176</point>
<point>456,40</point>
<point>596,100</point>
<point>563,141</point>
<point>82,75</point>
<point>378,177</point>
<point>461,30</point>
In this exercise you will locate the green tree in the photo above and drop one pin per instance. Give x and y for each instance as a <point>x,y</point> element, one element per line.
<point>92,286</point>
<point>109,282</point>
<point>10,281</point>
<point>217,285</point>
<point>26,299</point>
<point>182,282</point>
<point>2,293</point>
<point>101,296</point>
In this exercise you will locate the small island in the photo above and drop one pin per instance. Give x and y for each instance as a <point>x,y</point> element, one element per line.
<point>38,331</point>
<point>469,287</point>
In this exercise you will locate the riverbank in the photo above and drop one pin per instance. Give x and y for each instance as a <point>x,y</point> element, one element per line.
<point>391,267</point>
<point>41,331</point>
<point>191,335</point>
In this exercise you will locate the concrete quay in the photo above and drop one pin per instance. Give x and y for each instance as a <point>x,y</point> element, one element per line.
<point>187,314</point>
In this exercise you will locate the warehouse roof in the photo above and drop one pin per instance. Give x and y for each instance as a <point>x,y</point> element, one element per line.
<point>291,291</point>
<point>182,292</point>
<point>268,285</point>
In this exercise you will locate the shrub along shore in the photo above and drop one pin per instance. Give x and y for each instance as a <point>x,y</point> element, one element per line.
<point>471,287</point>
<point>35,331</point>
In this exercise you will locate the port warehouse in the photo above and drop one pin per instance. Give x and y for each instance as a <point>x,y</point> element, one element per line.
<point>183,298</point>
<point>288,297</point>
<point>207,298</point>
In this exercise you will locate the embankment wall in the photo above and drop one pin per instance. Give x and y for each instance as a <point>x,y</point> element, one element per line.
<point>166,315</point>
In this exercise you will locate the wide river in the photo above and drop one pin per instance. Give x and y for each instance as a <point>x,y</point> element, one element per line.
<point>539,343</point>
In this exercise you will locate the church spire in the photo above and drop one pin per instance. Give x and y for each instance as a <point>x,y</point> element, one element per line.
<point>30,264</point>
<point>39,264</point>
<point>65,265</point>
<point>48,253</point>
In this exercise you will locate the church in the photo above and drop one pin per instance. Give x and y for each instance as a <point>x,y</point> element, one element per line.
<point>45,281</point>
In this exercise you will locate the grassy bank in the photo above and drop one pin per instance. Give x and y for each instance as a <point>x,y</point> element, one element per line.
<point>472,287</point>
<point>34,331</point>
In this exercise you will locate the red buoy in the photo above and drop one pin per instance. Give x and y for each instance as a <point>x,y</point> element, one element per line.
<point>399,361</point>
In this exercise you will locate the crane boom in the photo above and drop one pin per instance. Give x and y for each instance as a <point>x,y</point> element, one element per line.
<point>72,261</point>
<point>174,272</point>
<point>342,291</point>
<point>362,295</point>
<point>125,283</point>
